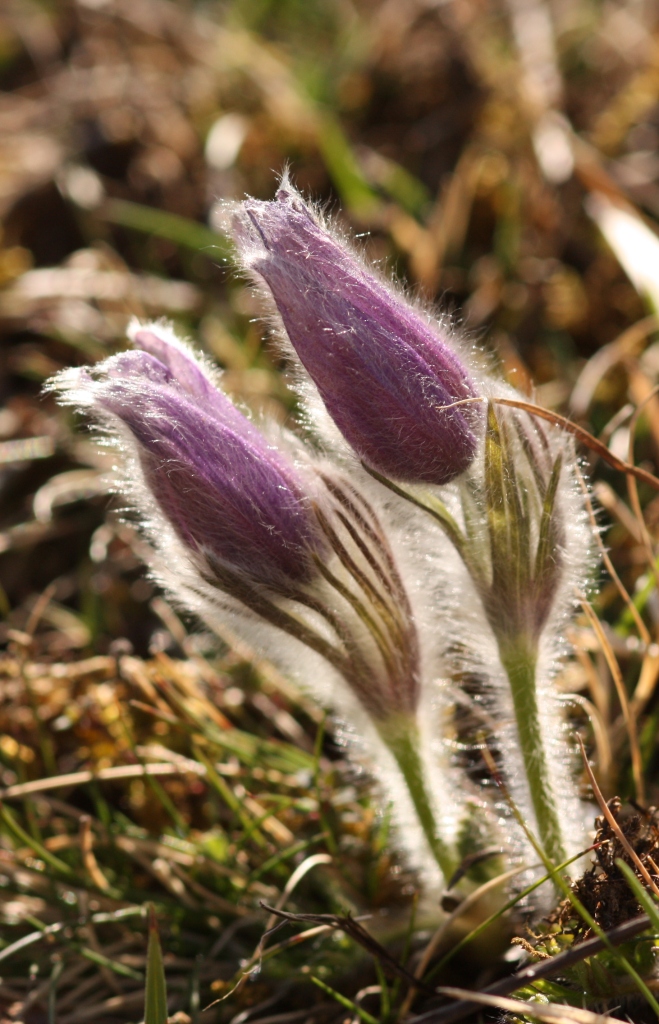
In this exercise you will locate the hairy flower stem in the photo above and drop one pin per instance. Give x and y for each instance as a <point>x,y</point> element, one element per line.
<point>517,650</point>
<point>401,735</point>
<point>519,661</point>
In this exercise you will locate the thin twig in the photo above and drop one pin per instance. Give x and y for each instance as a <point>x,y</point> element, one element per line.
<point>353,929</point>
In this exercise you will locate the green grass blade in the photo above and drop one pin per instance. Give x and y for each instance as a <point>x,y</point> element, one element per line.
<point>404,188</point>
<point>58,967</point>
<point>155,993</point>
<point>112,965</point>
<point>343,1001</point>
<point>151,221</point>
<point>41,851</point>
<point>281,856</point>
<point>343,167</point>
<point>641,893</point>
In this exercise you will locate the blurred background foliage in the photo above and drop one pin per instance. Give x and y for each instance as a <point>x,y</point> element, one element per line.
<point>499,156</point>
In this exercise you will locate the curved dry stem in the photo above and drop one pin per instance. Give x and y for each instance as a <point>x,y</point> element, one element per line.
<point>601,735</point>
<point>605,359</point>
<point>585,437</point>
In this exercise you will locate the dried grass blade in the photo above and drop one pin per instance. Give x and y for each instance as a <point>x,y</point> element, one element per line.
<point>647,681</point>
<point>123,771</point>
<point>552,1012</point>
<point>630,721</point>
<point>604,807</point>
<point>610,568</point>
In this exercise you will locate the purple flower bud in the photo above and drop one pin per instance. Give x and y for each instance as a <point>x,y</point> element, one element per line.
<point>229,496</point>
<point>384,374</point>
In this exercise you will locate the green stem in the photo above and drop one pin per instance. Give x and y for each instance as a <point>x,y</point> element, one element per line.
<point>401,735</point>
<point>519,662</point>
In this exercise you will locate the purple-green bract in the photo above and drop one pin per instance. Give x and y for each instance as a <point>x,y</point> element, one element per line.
<point>384,374</point>
<point>229,495</point>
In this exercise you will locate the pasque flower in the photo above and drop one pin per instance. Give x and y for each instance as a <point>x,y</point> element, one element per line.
<point>238,527</point>
<point>387,377</point>
<point>302,554</point>
<point>233,500</point>
<point>248,521</point>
